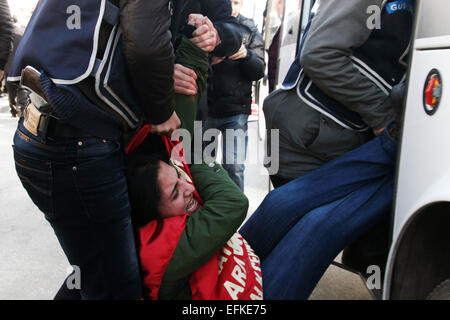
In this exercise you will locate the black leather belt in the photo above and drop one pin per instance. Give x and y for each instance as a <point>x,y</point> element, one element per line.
<point>51,127</point>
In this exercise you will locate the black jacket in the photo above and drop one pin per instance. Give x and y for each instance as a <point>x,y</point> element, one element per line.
<point>230,85</point>
<point>6,33</point>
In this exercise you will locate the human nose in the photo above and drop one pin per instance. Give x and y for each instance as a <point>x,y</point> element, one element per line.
<point>188,189</point>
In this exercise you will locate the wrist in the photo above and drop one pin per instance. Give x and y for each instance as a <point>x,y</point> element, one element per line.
<point>247,55</point>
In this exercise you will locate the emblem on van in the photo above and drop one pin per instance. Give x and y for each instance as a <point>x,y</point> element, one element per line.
<point>432,92</point>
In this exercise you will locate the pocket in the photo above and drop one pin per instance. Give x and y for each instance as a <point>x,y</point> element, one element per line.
<point>93,150</point>
<point>36,178</point>
<point>333,140</point>
<point>298,123</point>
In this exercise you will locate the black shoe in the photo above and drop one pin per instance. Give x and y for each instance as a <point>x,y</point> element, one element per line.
<point>369,250</point>
<point>13,112</point>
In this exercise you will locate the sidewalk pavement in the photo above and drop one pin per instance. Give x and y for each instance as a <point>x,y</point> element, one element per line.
<point>4,104</point>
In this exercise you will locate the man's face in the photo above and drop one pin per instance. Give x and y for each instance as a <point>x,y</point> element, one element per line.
<point>177,195</point>
<point>236,6</point>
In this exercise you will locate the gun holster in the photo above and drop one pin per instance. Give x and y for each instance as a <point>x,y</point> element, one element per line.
<point>30,80</point>
<point>38,115</point>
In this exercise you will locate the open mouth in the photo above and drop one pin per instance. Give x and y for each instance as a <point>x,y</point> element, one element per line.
<point>192,205</point>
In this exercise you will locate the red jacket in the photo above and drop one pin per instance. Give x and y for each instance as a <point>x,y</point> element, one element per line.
<point>234,273</point>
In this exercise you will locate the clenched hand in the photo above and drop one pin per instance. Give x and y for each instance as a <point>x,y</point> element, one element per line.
<point>184,80</point>
<point>206,36</point>
<point>167,127</point>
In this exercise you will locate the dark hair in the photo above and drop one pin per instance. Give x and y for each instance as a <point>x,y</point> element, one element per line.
<point>144,193</point>
<point>142,166</point>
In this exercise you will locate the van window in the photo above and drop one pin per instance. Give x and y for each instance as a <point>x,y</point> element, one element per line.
<point>433,19</point>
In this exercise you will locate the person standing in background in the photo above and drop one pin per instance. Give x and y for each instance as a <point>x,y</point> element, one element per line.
<point>6,34</point>
<point>230,94</point>
<point>17,96</point>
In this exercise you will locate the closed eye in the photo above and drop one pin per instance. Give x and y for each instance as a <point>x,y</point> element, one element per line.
<point>174,193</point>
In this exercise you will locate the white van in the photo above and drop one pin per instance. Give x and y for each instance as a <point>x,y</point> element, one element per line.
<point>418,266</point>
<point>419,258</point>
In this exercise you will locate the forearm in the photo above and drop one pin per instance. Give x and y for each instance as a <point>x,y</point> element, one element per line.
<point>338,28</point>
<point>190,56</point>
<point>253,66</point>
<point>149,54</point>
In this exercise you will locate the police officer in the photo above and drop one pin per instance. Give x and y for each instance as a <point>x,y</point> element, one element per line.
<point>99,68</point>
<point>230,94</point>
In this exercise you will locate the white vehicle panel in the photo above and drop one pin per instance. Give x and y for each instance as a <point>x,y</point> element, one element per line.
<point>424,164</point>
<point>425,152</point>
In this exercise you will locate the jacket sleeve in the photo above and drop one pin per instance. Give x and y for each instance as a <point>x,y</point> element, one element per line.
<point>253,66</point>
<point>219,12</point>
<point>6,33</point>
<point>149,54</point>
<point>337,29</point>
<point>208,229</point>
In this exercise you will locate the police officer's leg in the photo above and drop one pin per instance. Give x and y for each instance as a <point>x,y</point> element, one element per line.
<point>101,242</point>
<point>80,186</point>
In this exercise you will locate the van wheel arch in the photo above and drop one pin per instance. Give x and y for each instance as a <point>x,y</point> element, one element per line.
<point>422,262</point>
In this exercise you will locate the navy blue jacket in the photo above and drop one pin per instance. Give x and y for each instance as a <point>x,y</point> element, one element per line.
<point>67,53</point>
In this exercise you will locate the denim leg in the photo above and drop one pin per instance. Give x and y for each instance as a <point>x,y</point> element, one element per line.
<point>296,264</point>
<point>210,123</point>
<point>81,188</point>
<point>285,206</point>
<point>102,245</point>
<point>234,144</point>
<point>234,147</point>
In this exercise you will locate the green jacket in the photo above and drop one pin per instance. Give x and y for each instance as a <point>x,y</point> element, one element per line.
<point>207,230</point>
<point>192,57</point>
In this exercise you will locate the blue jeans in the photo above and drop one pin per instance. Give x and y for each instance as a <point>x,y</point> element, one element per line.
<point>302,226</point>
<point>234,151</point>
<point>79,184</point>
